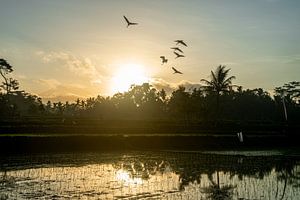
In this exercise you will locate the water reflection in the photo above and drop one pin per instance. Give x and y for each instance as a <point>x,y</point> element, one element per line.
<point>156,175</point>
<point>125,176</point>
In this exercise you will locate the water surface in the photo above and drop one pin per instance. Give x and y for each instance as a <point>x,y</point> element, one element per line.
<point>151,175</point>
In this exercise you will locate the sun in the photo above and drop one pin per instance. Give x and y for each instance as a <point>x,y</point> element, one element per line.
<point>127,75</point>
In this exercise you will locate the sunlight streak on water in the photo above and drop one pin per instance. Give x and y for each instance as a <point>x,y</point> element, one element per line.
<point>124,176</point>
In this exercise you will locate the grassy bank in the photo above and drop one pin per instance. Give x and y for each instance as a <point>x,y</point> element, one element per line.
<point>98,143</point>
<point>62,126</point>
<point>57,134</point>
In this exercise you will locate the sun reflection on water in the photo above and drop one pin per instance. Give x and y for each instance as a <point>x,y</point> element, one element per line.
<point>124,176</point>
<point>159,178</point>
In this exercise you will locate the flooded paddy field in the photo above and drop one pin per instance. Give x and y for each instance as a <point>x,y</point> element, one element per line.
<point>151,175</point>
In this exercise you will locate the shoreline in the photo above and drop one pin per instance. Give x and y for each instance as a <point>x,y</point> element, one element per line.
<point>77,143</point>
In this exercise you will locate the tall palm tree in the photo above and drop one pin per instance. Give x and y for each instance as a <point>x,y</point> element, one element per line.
<point>220,82</point>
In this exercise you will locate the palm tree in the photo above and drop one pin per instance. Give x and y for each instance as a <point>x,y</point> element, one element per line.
<point>219,84</point>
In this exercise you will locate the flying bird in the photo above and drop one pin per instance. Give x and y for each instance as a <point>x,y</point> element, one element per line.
<point>163,60</point>
<point>176,71</point>
<point>177,49</point>
<point>128,22</point>
<point>180,42</point>
<point>178,55</point>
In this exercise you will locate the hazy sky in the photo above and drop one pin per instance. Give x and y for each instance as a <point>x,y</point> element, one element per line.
<point>83,48</point>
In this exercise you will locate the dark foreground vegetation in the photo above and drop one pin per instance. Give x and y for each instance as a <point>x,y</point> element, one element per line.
<point>34,144</point>
<point>217,108</point>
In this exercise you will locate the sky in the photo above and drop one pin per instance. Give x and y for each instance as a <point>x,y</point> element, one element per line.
<point>62,49</point>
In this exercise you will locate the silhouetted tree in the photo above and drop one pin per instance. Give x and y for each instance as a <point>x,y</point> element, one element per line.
<point>5,68</point>
<point>147,103</point>
<point>179,104</point>
<point>198,105</point>
<point>255,104</point>
<point>11,85</point>
<point>287,98</point>
<point>290,91</point>
<point>219,83</point>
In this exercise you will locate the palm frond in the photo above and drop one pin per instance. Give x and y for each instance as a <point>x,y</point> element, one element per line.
<point>229,80</point>
<point>206,81</point>
<point>219,81</point>
<point>214,78</point>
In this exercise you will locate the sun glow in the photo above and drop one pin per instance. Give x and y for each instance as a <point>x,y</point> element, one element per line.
<point>125,177</point>
<point>126,76</point>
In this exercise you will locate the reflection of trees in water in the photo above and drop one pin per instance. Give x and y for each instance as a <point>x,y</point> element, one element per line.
<point>143,167</point>
<point>294,178</point>
<point>215,192</point>
<point>6,180</point>
<point>289,174</point>
<point>189,166</point>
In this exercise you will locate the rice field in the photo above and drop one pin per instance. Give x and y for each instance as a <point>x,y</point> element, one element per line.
<point>150,175</point>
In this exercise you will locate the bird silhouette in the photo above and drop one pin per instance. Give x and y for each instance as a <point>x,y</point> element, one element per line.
<point>176,71</point>
<point>128,22</point>
<point>180,42</point>
<point>178,55</point>
<point>177,49</point>
<point>163,60</point>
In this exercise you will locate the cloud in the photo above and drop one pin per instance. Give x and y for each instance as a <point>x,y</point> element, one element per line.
<point>64,92</point>
<point>277,59</point>
<point>169,87</point>
<point>54,90</point>
<point>189,85</point>
<point>77,65</point>
<point>49,83</point>
<point>294,60</point>
<point>159,84</point>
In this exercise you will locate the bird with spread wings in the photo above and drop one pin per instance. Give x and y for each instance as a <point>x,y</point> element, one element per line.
<point>178,55</point>
<point>180,42</point>
<point>163,60</point>
<point>177,49</point>
<point>176,71</point>
<point>128,22</point>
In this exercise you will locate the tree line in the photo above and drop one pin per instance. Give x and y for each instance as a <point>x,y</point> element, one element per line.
<point>216,99</point>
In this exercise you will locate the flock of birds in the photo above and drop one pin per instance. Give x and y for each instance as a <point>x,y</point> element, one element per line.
<point>176,50</point>
<point>179,54</point>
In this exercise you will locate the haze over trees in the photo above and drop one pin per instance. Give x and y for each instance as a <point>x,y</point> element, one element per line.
<point>218,99</point>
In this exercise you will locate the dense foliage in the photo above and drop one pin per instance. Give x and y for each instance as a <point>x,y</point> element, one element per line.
<point>216,100</point>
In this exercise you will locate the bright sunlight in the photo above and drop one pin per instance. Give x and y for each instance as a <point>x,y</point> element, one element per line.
<point>127,75</point>
<point>125,177</point>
